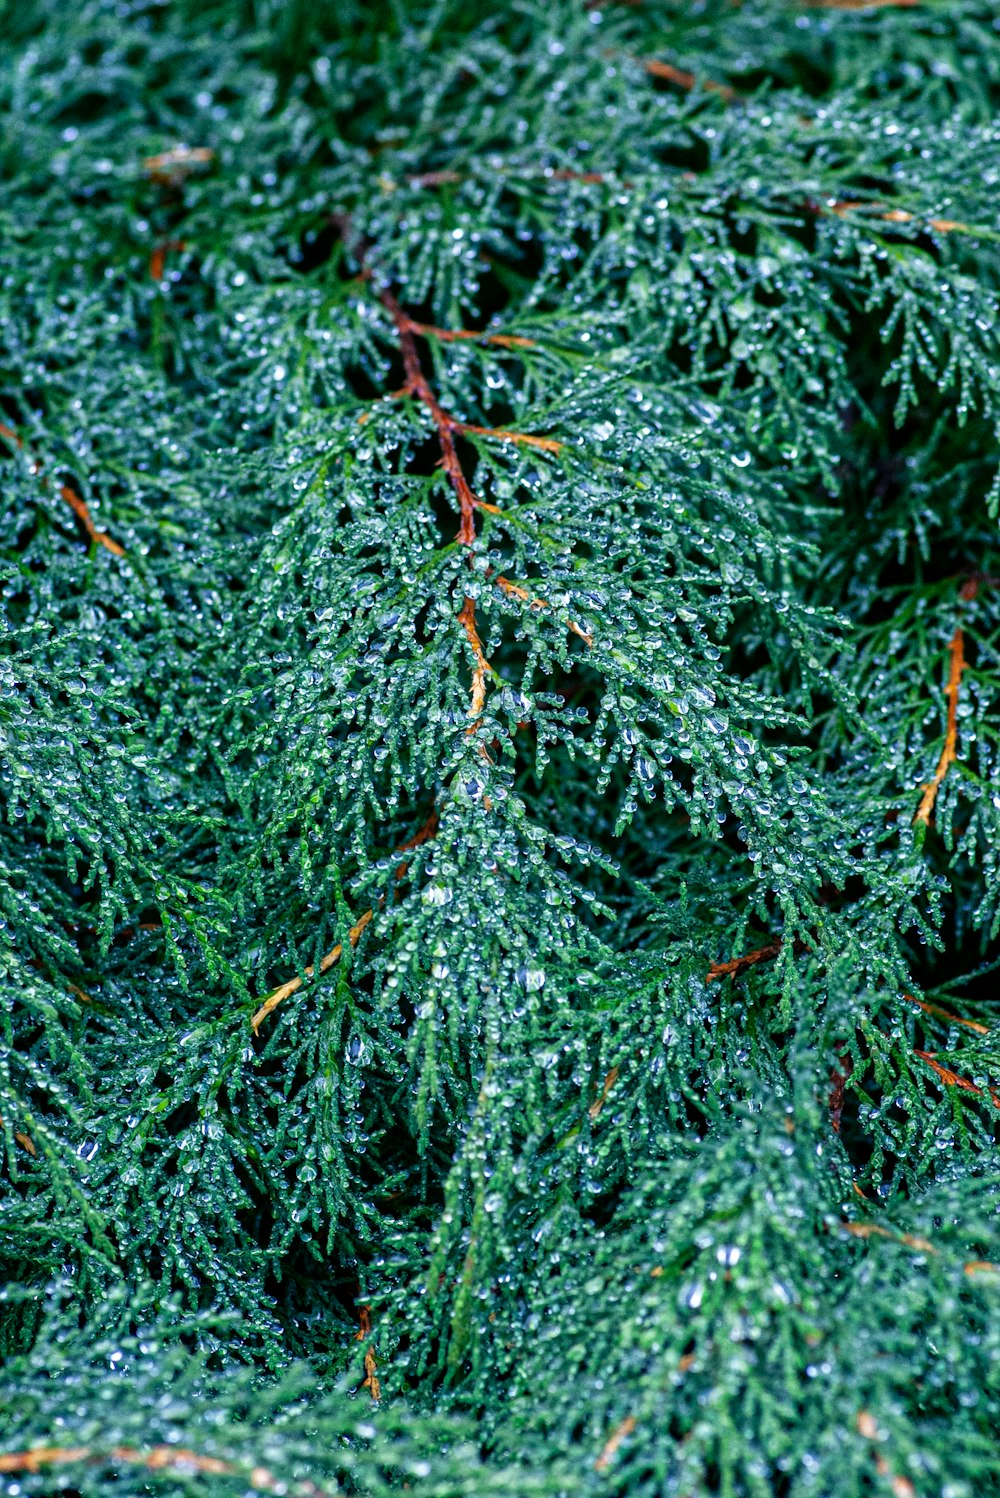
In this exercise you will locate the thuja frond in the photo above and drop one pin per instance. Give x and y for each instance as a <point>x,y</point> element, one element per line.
<point>498,793</point>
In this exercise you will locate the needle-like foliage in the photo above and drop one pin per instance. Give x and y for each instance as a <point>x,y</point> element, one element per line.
<point>499,808</point>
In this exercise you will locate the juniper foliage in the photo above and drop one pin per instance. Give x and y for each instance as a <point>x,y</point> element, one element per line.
<point>499,739</point>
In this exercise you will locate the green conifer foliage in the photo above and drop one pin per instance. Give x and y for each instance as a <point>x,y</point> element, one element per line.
<point>499,804</point>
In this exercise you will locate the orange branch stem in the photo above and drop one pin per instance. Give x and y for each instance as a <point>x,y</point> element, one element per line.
<point>76,504</point>
<point>516,591</point>
<point>953,1079</point>
<point>949,753</point>
<point>467,619</point>
<point>279,995</point>
<point>953,1019</point>
<point>456,335</point>
<point>25,1140</point>
<point>156,1459</point>
<point>899,216</point>
<point>862,4</point>
<point>685,80</point>
<point>737,965</point>
<point>900,1487</point>
<point>547,444</point>
<point>609,1082</point>
<point>158,256</point>
<point>618,1435</point>
<point>876,1230</point>
<point>418,385</point>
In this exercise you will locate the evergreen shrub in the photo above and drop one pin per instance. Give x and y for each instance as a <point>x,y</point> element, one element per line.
<point>499,682</point>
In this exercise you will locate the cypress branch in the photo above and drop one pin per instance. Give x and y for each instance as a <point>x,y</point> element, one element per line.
<point>499,664</point>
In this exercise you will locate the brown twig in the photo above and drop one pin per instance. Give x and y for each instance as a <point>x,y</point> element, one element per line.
<point>279,995</point>
<point>446,425</point>
<point>425,834</point>
<point>900,1487</point>
<point>25,1140</point>
<point>516,591</point>
<point>285,990</point>
<point>953,1019</point>
<point>456,335</point>
<point>912,1240</point>
<point>609,1082</point>
<point>862,4</point>
<point>899,216</point>
<point>737,965</point>
<point>876,1230</point>
<point>169,168</point>
<point>953,1079</point>
<point>618,1435</point>
<point>371,1380</point>
<point>156,1459</point>
<point>838,1087</point>
<point>956,653</point>
<point>418,385</point>
<point>687,81</point>
<point>467,619</point>
<point>158,256</point>
<point>79,508</point>
<point>567,174</point>
<point>502,434</point>
<point>74,501</point>
<point>434,179</point>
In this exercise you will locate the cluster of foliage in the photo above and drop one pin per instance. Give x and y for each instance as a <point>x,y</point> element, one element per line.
<point>499,795</point>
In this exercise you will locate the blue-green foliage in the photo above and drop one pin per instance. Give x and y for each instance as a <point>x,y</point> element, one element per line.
<point>498,795</point>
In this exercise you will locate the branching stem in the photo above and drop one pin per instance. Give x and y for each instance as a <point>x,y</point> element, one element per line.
<point>76,504</point>
<point>156,1459</point>
<point>949,753</point>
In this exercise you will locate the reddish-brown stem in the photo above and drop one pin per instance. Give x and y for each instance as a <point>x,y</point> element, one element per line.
<point>737,965</point>
<point>457,335</point>
<point>467,619</point>
<point>371,1380</point>
<point>158,256</point>
<point>898,216</point>
<point>418,385</point>
<point>609,1082</point>
<point>502,434</point>
<point>876,1230</point>
<point>516,591</point>
<point>566,174</point>
<point>862,4</point>
<point>285,990</point>
<point>434,179</point>
<point>687,81</point>
<point>953,1079</point>
<point>25,1140</point>
<point>76,504</point>
<point>945,1014</point>
<point>618,1435</point>
<point>82,514</point>
<point>900,1487</point>
<point>169,168</point>
<point>949,753</point>
<point>910,1240</point>
<point>425,834</point>
<point>446,425</point>
<point>155,1459</point>
<point>279,995</point>
<point>838,1087</point>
